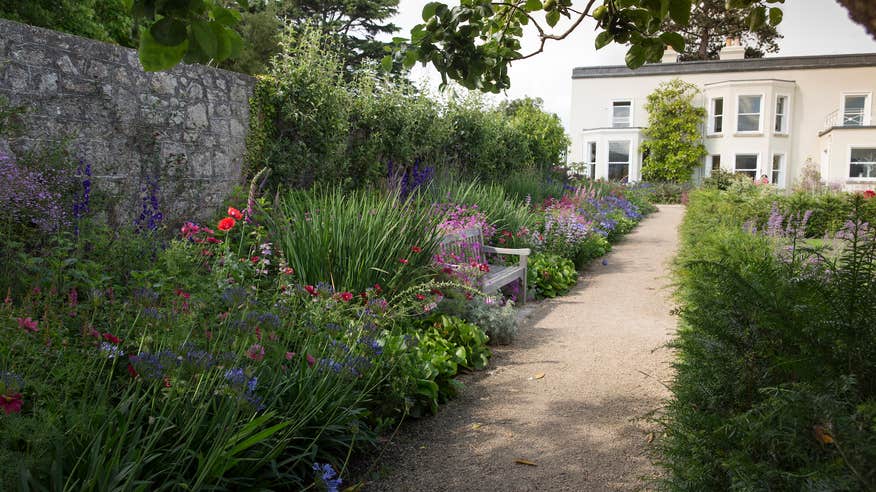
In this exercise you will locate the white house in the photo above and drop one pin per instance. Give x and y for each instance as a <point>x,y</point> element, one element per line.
<point>764,116</point>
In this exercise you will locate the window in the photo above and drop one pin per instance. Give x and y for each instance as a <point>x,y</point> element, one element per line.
<point>778,171</point>
<point>716,162</point>
<point>591,159</point>
<point>781,114</point>
<point>748,114</point>
<point>621,114</point>
<point>863,163</point>
<point>747,165</point>
<point>854,110</point>
<point>618,160</point>
<point>717,121</point>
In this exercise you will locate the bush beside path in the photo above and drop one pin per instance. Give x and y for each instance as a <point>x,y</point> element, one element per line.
<point>565,407</point>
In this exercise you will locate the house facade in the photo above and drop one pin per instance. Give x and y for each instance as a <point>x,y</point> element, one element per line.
<point>766,116</point>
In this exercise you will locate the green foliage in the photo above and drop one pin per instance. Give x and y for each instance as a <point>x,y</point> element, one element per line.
<point>474,42</point>
<point>550,274</point>
<point>260,31</point>
<point>712,22</point>
<point>673,140</point>
<point>503,211</point>
<point>354,240</point>
<point>663,192</point>
<point>104,20</point>
<point>535,185</point>
<point>546,137</point>
<point>774,387</point>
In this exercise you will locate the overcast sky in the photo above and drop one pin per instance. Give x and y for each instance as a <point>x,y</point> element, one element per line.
<point>810,27</point>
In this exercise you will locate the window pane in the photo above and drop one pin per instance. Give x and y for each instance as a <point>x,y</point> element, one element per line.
<point>749,104</point>
<point>863,155</point>
<point>748,123</point>
<point>716,162</point>
<point>719,124</point>
<point>856,103</point>
<point>780,105</point>
<point>719,106</point>
<point>618,172</point>
<point>591,152</point>
<point>621,111</point>
<point>621,103</point>
<point>863,170</point>
<point>747,164</point>
<point>853,112</point>
<point>777,168</point>
<point>619,152</point>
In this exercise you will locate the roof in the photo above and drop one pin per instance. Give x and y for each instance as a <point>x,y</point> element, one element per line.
<point>723,66</point>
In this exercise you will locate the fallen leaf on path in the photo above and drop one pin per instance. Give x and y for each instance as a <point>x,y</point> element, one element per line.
<point>524,462</point>
<point>476,426</point>
<point>650,437</point>
<point>538,375</point>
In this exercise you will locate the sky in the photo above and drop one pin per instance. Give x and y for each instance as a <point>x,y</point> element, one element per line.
<point>810,27</point>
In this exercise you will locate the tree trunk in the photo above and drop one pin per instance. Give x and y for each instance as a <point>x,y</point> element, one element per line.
<point>703,50</point>
<point>863,12</point>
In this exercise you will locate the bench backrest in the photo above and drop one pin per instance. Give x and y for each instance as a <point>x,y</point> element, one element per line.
<point>464,245</point>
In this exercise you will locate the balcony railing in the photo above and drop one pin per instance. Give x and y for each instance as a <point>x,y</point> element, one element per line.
<point>849,117</point>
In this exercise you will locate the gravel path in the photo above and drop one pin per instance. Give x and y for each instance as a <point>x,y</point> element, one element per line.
<point>583,425</point>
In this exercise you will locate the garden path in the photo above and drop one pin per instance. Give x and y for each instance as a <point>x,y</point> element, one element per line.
<point>583,424</point>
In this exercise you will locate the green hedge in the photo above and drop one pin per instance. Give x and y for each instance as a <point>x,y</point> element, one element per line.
<point>776,353</point>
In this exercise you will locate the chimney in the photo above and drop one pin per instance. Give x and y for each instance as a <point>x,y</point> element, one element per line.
<point>669,56</point>
<point>732,50</point>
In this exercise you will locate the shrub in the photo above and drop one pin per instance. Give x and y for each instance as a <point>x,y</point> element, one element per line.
<point>673,138</point>
<point>550,275</point>
<point>498,320</point>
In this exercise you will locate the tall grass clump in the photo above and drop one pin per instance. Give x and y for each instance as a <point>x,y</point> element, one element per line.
<point>354,240</point>
<point>776,352</point>
<point>504,212</point>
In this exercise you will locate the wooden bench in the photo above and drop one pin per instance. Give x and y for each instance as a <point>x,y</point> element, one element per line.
<point>470,243</point>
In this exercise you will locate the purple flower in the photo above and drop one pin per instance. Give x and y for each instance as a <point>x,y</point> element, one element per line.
<point>326,474</point>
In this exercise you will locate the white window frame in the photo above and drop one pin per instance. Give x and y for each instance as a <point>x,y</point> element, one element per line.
<point>780,181</point>
<point>784,129</point>
<point>712,116</point>
<point>756,166</point>
<point>849,163</point>
<point>760,115</point>
<point>591,158</point>
<point>865,121</point>
<point>629,161</point>
<point>611,113</point>
<point>711,165</point>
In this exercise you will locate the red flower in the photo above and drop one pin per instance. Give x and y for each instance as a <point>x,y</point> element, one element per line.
<point>868,194</point>
<point>378,288</point>
<point>311,290</point>
<point>166,382</point>
<point>226,224</point>
<point>233,212</point>
<point>416,249</point>
<point>254,259</point>
<point>109,337</point>
<point>403,261</point>
<point>421,297</point>
<point>346,296</point>
<point>183,294</point>
<point>310,360</point>
<point>484,267</point>
<point>11,403</point>
<point>213,240</point>
<point>132,371</point>
<point>288,271</point>
<point>256,352</point>
<point>28,324</point>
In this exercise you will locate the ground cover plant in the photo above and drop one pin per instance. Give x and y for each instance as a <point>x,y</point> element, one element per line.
<point>775,369</point>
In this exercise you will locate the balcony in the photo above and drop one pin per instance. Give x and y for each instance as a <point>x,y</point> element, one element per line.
<point>850,118</point>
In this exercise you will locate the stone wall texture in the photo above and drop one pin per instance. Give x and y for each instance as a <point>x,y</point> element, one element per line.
<point>186,127</point>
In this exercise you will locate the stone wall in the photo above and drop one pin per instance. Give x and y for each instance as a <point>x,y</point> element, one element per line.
<point>186,127</point>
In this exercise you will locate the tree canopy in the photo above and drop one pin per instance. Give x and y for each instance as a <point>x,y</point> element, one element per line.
<point>711,22</point>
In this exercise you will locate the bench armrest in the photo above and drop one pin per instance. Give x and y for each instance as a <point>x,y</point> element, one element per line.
<point>506,251</point>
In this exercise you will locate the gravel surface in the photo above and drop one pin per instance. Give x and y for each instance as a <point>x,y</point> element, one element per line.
<point>571,396</point>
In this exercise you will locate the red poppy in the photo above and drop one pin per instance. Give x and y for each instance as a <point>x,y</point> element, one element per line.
<point>403,261</point>
<point>416,249</point>
<point>233,212</point>
<point>226,224</point>
<point>311,290</point>
<point>254,259</point>
<point>346,296</point>
<point>109,337</point>
<point>11,403</point>
<point>869,194</point>
<point>421,297</point>
<point>378,288</point>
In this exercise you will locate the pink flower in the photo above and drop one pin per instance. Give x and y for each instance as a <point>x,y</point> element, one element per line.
<point>310,360</point>
<point>109,337</point>
<point>346,296</point>
<point>868,194</point>
<point>11,403</point>
<point>416,249</point>
<point>290,355</point>
<point>403,261</point>
<point>256,352</point>
<point>28,324</point>
<point>311,290</point>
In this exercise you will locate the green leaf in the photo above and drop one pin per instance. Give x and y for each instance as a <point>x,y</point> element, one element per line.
<point>205,36</point>
<point>226,17</point>
<point>776,15</point>
<point>673,39</point>
<point>533,5</point>
<point>386,63</point>
<point>410,59</point>
<point>679,11</point>
<point>155,56</point>
<point>169,32</point>
<point>602,39</point>
<point>757,18</point>
<point>429,10</point>
<point>552,17</point>
<point>636,56</point>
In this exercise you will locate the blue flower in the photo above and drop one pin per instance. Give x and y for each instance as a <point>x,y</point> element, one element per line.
<point>326,474</point>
